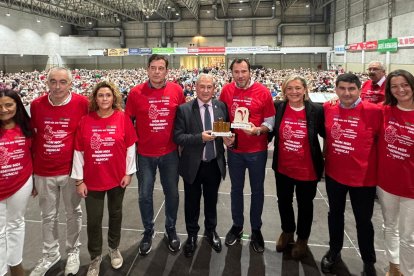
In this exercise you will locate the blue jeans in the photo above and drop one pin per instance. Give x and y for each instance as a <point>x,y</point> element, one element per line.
<point>168,168</point>
<point>255,163</point>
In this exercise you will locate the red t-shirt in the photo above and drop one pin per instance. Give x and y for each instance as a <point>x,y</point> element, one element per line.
<point>396,152</point>
<point>154,113</point>
<point>259,102</point>
<point>294,156</point>
<point>55,128</point>
<point>15,161</point>
<point>373,93</point>
<point>351,143</point>
<point>104,142</point>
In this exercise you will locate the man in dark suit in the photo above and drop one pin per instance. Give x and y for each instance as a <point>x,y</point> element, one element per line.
<point>202,162</point>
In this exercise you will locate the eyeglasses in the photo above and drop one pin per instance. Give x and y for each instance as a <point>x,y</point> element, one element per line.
<point>374,69</point>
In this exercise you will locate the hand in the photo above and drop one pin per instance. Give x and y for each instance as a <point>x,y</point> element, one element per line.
<point>34,192</point>
<point>126,180</point>
<point>334,101</point>
<point>229,141</point>
<point>206,136</point>
<point>253,130</point>
<point>82,190</point>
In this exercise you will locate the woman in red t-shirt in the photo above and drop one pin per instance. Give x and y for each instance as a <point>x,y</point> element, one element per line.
<point>104,160</point>
<point>16,182</point>
<point>396,172</point>
<point>297,161</point>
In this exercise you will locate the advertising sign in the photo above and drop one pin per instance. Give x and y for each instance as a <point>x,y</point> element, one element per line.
<point>388,45</point>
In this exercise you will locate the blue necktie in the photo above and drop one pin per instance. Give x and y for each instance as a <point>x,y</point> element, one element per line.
<point>207,126</point>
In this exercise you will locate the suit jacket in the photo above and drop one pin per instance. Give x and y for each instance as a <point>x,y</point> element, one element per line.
<point>315,125</point>
<point>187,134</point>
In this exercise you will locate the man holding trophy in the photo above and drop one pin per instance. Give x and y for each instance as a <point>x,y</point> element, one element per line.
<point>251,112</point>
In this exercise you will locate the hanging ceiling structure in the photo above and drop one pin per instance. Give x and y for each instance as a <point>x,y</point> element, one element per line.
<point>87,13</point>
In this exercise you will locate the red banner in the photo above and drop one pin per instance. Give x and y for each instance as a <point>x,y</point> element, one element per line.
<point>367,46</point>
<point>206,50</point>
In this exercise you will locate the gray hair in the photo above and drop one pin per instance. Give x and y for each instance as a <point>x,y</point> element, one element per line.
<point>54,69</point>
<point>380,64</point>
<point>206,76</point>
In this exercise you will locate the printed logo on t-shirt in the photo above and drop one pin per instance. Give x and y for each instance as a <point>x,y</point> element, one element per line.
<point>158,110</point>
<point>287,132</point>
<point>343,131</point>
<point>4,156</point>
<point>234,106</point>
<point>399,144</point>
<point>153,112</point>
<point>390,134</point>
<point>48,133</point>
<point>336,131</point>
<point>10,161</point>
<point>96,141</point>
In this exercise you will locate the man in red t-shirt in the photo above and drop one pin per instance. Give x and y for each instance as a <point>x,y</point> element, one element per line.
<point>152,105</point>
<point>55,117</point>
<point>352,128</point>
<point>373,90</point>
<point>251,150</point>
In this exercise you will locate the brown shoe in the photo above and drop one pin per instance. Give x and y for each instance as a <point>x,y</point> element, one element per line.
<point>300,248</point>
<point>284,240</point>
<point>394,270</point>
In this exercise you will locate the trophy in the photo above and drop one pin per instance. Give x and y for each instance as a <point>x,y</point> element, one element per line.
<point>221,128</point>
<point>241,119</point>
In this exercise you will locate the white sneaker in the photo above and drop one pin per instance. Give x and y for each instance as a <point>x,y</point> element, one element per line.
<point>116,258</point>
<point>93,269</point>
<point>44,264</point>
<point>73,263</point>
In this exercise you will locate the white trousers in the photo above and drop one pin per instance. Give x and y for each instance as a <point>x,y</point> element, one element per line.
<point>49,191</point>
<point>12,226</point>
<point>398,213</point>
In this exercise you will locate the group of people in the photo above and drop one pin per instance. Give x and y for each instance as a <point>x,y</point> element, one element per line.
<point>91,149</point>
<point>32,84</point>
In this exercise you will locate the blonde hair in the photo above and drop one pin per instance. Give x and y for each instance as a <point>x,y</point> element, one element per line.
<point>116,105</point>
<point>293,78</point>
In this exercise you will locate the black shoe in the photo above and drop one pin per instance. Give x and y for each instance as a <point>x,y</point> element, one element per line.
<point>145,245</point>
<point>235,234</point>
<point>369,269</point>
<point>172,240</point>
<point>214,240</point>
<point>190,246</point>
<point>256,241</point>
<point>329,260</point>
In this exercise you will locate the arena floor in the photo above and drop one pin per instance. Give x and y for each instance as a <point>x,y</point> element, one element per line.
<point>239,259</point>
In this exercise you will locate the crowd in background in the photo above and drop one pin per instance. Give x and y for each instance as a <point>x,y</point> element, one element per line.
<point>33,84</point>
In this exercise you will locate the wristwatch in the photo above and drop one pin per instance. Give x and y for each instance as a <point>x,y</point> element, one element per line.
<point>258,132</point>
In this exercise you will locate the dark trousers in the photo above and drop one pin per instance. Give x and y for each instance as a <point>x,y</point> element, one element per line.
<point>305,193</point>
<point>207,182</point>
<point>362,201</point>
<point>255,163</point>
<point>94,211</point>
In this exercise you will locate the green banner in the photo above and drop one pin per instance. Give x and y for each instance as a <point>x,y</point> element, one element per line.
<point>163,50</point>
<point>388,45</point>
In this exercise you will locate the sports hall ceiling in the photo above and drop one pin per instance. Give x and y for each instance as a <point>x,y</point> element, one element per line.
<point>90,13</point>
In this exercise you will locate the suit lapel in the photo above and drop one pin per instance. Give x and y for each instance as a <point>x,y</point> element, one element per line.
<point>216,111</point>
<point>197,116</point>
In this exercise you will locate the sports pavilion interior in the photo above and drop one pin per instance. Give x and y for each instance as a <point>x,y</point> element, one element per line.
<point>37,34</point>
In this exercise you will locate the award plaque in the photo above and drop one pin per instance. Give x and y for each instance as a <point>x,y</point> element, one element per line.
<point>241,119</point>
<point>221,128</point>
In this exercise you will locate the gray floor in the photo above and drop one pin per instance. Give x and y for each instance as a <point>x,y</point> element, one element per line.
<point>239,259</point>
